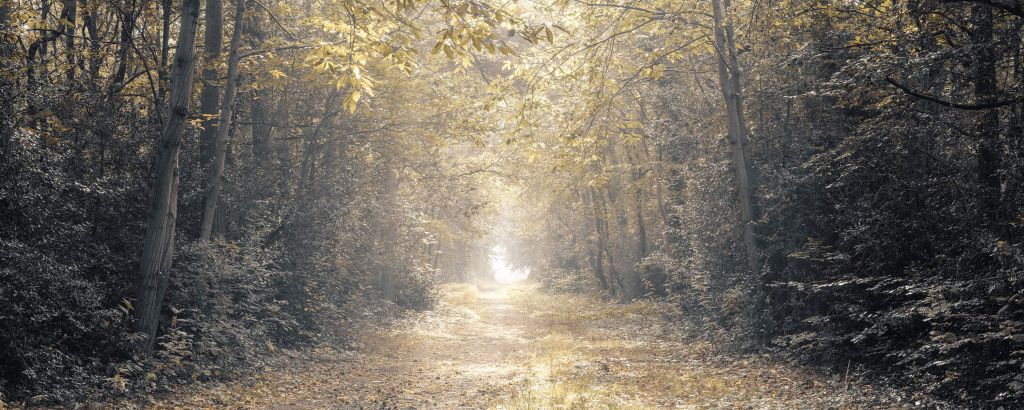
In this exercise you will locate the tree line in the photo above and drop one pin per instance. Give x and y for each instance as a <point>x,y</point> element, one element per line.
<point>189,185</point>
<point>839,181</point>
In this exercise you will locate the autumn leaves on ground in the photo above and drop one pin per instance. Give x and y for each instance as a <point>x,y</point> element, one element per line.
<point>517,347</point>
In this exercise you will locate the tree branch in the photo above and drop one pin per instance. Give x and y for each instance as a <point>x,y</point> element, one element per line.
<point>276,21</point>
<point>1014,7</point>
<point>937,100</point>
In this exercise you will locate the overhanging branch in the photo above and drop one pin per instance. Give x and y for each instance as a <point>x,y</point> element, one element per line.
<point>1014,7</point>
<point>976,106</point>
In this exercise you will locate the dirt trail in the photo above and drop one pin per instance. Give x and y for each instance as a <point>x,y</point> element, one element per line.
<point>518,348</point>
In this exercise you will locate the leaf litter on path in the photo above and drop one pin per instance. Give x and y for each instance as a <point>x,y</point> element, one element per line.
<point>515,347</point>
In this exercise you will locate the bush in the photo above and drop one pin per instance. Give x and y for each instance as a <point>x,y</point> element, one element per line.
<point>60,282</point>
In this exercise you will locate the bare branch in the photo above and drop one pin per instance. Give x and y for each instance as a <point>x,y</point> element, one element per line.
<point>977,106</point>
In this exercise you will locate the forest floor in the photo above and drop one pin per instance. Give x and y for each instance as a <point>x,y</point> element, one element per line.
<point>516,347</point>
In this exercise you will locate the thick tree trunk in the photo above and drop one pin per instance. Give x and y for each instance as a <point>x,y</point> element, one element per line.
<point>215,177</point>
<point>986,88</point>
<point>730,83</point>
<point>158,243</point>
<point>263,121</point>
<point>263,126</point>
<point>209,97</point>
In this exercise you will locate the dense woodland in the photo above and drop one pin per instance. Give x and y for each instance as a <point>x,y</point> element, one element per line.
<point>187,186</point>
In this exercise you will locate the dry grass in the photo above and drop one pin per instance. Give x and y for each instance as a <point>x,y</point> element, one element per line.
<point>460,294</point>
<point>569,309</point>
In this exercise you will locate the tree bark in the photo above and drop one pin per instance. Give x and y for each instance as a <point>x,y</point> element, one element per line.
<point>216,170</point>
<point>985,88</point>
<point>262,119</point>
<point>158,243</point>
<point>209,97</point>
<point>730,83</point>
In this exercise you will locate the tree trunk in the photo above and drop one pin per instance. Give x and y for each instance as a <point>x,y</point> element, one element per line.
<point>69,37</point>
<point>216,170</point>
<point>657,178</point>
<point>263,126</point>
<point>209,98</point>
<point>641,227</point>
<point>6,85</point>
<point>95,42</point>
<point>124,48</point>
<point>601,224</point>
<point>985,88</point>
<point>595,255</point>
<point>730,82</point>
<point>158,243</point>
<point>165,50</point>
<point>386,276</point>
<point>38,47</point>
<point>263,122</point>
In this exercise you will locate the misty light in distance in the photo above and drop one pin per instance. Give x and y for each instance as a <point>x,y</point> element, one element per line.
<point>502,271</point>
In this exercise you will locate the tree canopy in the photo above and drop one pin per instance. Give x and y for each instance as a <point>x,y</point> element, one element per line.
<point>187,184</point>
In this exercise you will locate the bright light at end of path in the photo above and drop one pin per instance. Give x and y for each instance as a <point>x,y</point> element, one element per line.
<point>503,272</point>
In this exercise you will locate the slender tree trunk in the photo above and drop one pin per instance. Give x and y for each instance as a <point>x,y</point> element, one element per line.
<point>730,82</point>
<point>594,252</point>
<point>38,47</point>
<point>310,143</point>
<point>6,85</point>
<point>657,178</point>
<point>124,49</point>
<point>165,50</point>
<point>641,226</point>
<point>95,42</point>
<point>216,170</point>
<point>69,37</point>
<point>616,210</point>
<point>601,224</point>
<point>158,243</point>
<point>386,276</point>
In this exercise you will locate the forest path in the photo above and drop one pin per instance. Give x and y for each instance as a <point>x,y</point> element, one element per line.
<point>514,347</point>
